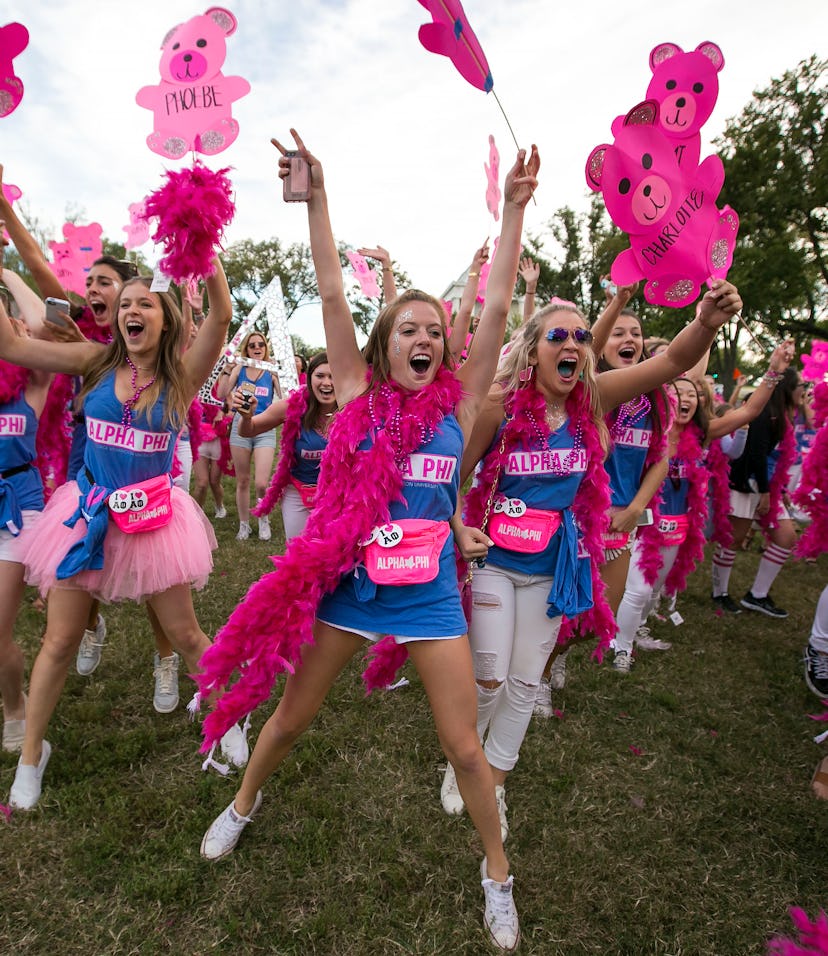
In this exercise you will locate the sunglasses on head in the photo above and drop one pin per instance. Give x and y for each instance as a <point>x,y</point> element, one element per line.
<point>581,336</point>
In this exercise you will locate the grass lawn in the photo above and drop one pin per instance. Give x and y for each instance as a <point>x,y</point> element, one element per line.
<point>666,812</point>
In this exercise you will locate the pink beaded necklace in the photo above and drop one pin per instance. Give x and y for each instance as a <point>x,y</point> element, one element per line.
<point>138,390</point>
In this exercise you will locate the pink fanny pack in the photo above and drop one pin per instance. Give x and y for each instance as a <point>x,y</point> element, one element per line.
<point>144,506</point>
<point>515,527</point>
<point>615,541</point>
<point>406,551</point>
<point>306,492</point>
<point>673,529</point>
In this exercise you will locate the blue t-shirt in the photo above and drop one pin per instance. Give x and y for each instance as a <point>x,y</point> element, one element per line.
<point>262,386</point>
<point>118,455</point>
<point>674,489</point>
<point>18,434</point>
<point>310,446</point>
<point>529,474</point>
<point>431,478</point>
<point>631,437</point>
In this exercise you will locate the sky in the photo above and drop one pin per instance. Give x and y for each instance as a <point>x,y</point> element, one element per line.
<point>401,136</point>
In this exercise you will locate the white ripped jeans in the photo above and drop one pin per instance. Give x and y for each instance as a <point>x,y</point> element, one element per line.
<point>511,639</point>
<point>639,597</point>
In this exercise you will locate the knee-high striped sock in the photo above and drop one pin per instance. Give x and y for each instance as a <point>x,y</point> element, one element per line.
<point>770,565</point>
<point>723,559</point>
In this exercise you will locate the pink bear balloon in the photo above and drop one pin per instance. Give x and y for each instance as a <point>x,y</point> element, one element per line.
<point>14,38</point>
<point>192,103</point>
<point>492,168</point>
<point>815,365</point>
<point>73,259</point>
<point>678,238</point>
<point>364,274</point>
<point>686,87</point>
<point>138,229</point>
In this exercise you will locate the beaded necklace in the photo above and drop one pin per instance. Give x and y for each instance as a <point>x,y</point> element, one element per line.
<point>138,390</point>
<point>530,403</point>
<point>629,413</point>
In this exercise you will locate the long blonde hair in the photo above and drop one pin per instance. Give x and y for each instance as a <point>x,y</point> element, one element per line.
<point>526,342</point>
<point>168,371</point>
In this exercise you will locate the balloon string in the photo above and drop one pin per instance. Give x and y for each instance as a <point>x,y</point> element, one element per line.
<point>517,144</point>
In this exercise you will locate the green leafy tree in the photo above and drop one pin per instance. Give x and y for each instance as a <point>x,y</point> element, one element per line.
<point>251,266</point>
<point>776,165</point>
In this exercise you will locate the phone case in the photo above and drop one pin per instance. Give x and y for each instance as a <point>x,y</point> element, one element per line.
<point>297,182</point>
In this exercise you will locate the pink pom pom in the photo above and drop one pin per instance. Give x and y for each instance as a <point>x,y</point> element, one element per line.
<point>193,208</point>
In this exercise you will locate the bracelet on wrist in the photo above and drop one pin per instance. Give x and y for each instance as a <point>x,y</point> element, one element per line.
<point>531,291</point>
<point>771,378</point>
<point>473,275</point>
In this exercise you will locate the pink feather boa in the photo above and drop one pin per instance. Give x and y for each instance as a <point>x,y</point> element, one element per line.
<point>297,405</point>
<point>718,468</point>
<point>13,382</point>
<point>691,550</point>
<point>779,479</point>
<point>591,502</point>
<point>813,936</point>
<point>265,634</point>
<point>812,492</point>
<point>193,208</point>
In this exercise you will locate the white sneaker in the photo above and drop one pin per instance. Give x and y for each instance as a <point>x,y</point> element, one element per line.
<point>221,512</point>
<point>223,833</point>
<point>450,793</point>
<point>28,781</point>
<point>500,798</point>
<point>89,652</point>
<point>234,746</point>
<point>264,529</point>
<point>622,662</point>
<point>165,672</point>
<point>557,673</point>
<point>13,733</point>
<point>244,531</point>
<point>500,917</point>
<point>543,700</point>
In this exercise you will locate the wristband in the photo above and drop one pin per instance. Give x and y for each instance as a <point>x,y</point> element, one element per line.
<point>473,275</point>
<point>531,291</point>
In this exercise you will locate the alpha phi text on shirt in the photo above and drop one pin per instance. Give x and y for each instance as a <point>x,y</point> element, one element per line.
<point>122,436</point>
<point>438,469</point>
<point>546,462</point>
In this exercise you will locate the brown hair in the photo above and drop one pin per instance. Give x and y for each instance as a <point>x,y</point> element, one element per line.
<point>376,349</point>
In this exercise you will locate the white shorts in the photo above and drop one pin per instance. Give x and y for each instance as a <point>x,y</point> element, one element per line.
<point>376,636</point>
<point>744,504</point>
<point>11,547</point>
<point>210,449</point>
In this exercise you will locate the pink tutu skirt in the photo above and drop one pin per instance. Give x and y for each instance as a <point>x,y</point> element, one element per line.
<point>136,566</point>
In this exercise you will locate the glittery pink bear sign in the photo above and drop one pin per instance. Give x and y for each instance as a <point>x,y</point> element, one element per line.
<point>679,239</point>
<point>192,105</point>
<point>14,38</point>
<point>815,365</point>
<point>73,259</point>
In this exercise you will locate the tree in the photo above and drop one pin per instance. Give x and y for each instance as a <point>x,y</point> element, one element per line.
<point>776,166</point>
<point>251,266</point>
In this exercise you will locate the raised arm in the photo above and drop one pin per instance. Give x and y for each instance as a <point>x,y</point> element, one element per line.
<point>347,364</point>
<point>203,354</point>
<point>479,369</point>
<point>530,273</point>
<point>462,321</point>
<point>389,283</point>
<point>251,425</point>
<point>602,327</point>
<point>28,301</point>
<point>735,418</point>
<point>718,305</point>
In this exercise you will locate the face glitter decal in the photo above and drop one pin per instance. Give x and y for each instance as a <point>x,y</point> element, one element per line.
<point>404,316</point>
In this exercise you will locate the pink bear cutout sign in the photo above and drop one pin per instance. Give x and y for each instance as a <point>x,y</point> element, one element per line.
<point>192,105</point>
<point>365,275</point>
<point>679,239</point>
<point>14,38</point>
<point>73,259</point>
<point>492,170</point>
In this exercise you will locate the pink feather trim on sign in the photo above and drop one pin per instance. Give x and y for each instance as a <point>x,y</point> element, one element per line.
<point>193,208</point>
